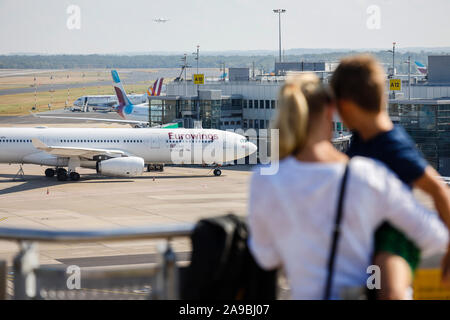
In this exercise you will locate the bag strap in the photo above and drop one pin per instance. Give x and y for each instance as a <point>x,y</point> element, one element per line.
<point>336,235</point>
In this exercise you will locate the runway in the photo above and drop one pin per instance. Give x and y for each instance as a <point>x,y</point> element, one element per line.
<point>129,77</point>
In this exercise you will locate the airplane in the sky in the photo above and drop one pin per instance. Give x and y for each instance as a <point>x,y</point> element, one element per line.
<point>118,151</point>
<point>160,20</point>
<point>133,114</point>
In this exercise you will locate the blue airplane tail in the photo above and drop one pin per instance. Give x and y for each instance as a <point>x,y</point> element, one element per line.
<point>125,105</point>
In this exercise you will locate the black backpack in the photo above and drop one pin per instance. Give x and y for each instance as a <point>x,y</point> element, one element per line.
<point>222,267</point>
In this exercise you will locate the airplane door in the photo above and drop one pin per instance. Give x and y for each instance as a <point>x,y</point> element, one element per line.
<point>154,141</point>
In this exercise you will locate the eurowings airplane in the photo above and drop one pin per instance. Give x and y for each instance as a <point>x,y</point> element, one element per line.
<point>122,152</point>
<point>133,114</point>
<point>110,101</point>
<point>156,89</point>
<point>422,69</point>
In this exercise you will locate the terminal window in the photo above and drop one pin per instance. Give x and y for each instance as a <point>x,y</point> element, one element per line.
<point>267,104</point>
<point>250,104</point>
<point>261,124</point>
<point>255,103</point>
<point>272,104</point>
<point>261,104</point>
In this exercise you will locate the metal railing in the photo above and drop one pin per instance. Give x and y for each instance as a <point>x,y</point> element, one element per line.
<point>33,281</point>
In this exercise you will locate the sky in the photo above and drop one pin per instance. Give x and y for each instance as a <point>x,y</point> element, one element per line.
<point>118,26</point>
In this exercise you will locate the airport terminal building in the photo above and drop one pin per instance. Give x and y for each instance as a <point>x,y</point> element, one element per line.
<point>242,102</point>
<point>425,114</point>
<point>246,101</point>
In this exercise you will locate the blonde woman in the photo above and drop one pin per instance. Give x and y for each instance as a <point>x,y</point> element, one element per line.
<point>293,214</point>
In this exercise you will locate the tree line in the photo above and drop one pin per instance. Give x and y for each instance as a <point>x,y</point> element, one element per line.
<point>265,62</point>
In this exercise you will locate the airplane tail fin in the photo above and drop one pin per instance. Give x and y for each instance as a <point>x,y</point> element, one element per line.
<point>422,68</point>
<point>156,89</point>
<point>120,93</point>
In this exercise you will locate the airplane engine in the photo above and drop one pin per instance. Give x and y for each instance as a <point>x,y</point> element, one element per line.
<point>121,167</point>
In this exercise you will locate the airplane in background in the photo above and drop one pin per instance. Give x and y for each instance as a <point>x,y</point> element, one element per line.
<point>223,76</point>
<point>109,102</point>
<point>422,68</point>
<point>156,89</point>
<point>118,152</point>
<point>133,114</point>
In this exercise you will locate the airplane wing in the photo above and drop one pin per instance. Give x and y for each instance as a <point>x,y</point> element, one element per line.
<point>86,153</point>
<point>94,119</point>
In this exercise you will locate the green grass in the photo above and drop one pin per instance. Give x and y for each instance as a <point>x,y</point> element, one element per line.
<point>21,104</point>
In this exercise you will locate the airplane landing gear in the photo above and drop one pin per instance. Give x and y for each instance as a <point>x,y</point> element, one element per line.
<point>62,176</point>
<point>217,172</point>
<point>74,176</point>
<point>61,171</point>
<point>49,173</point>
<point>155,167</point>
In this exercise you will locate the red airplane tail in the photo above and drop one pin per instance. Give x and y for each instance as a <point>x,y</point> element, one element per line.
<point>156,89</point>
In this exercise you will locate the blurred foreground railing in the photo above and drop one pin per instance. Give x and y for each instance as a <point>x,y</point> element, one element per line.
<point>32,281</point>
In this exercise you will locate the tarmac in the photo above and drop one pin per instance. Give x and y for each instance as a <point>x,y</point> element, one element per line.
<point>31,121</point>
<point>177,195</point>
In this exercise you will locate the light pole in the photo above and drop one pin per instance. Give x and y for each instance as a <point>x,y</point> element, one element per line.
<point>51,92</point>
<point>197,55</point>
<point>68,92</point>
<point>198,86</point>
<point>279,11</point>
<point>393,58</point>
<point>35,94</point>
<point>184,59</point>
<point>409,76</point>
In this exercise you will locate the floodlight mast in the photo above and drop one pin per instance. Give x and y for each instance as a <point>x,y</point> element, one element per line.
<point>279,11</point>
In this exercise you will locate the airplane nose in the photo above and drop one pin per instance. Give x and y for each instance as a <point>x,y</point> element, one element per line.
<point>251,148</point>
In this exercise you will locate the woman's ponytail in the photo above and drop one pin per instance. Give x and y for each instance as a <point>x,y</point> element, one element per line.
<point>292,120</point>
<point>300,99</point>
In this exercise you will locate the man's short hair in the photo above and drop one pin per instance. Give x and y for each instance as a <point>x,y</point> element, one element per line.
<point>360,79</point>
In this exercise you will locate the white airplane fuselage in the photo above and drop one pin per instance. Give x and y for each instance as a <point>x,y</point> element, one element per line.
<point>139,112</point>
<point>110,100</point>
<point>152,145</point>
